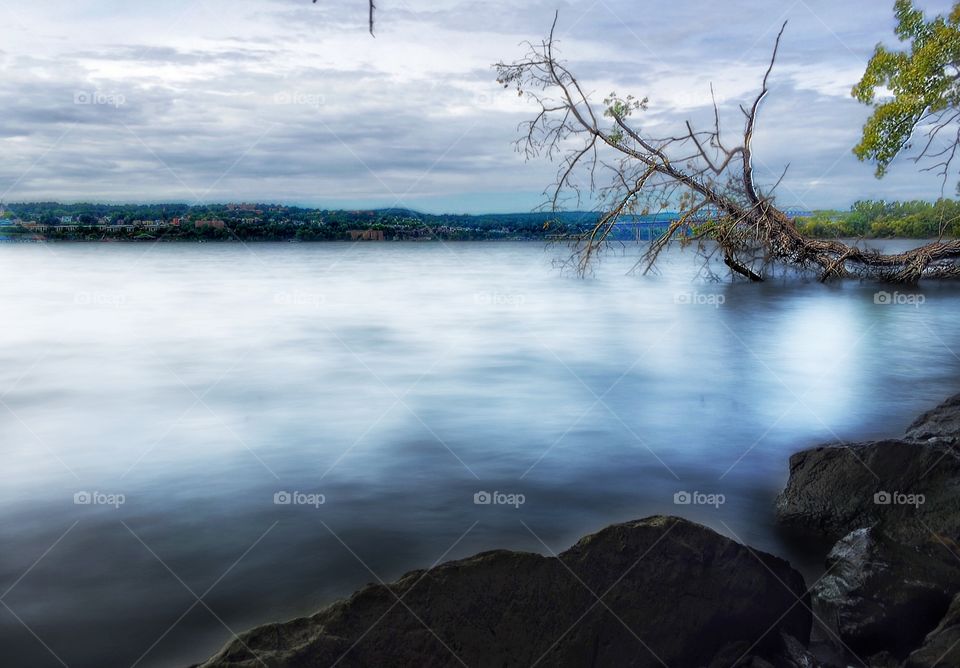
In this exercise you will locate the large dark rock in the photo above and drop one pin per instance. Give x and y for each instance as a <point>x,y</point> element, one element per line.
<point>672,592</point>
<point>834,490</point>
<point>895,505</point>
<point>941,423</point>
<point>881,595</point>
<point>941,649</point>
<point>791,654</point>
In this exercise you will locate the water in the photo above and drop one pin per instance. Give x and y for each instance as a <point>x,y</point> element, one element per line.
<point>398,380</point>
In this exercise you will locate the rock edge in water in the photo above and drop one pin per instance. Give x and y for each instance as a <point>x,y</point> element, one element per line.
<point>888,596</point>
<point>676,593</point>
<point>670,592</point>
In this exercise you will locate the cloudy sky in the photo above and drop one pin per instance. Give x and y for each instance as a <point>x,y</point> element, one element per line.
<point>289,101</point>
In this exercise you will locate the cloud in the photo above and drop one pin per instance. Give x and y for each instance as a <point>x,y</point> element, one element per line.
<point>288,100</point>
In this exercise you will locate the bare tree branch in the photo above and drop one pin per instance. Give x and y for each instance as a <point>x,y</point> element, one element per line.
<point>710,181</point>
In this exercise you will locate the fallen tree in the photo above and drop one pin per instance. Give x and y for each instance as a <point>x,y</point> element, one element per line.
<point>711,182</point>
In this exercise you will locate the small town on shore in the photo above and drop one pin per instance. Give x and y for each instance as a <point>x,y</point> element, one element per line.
<point>53,221</point>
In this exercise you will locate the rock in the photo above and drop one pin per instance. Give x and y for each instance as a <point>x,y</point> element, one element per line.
<point>880,595</point>
<point>941,423</point>
<point>672,591</point>
<point>941,649</point>
<point>795,654</point>
<point>895,505</point>
<point>738,655</point>
<point>791,654</point>
<point>835,489</point>
<point>883,660</point>
<point>911,490</point>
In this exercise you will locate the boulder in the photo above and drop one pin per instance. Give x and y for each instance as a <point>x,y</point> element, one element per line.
<point>910,490</point>
<point>895,506</point>
<point>941,649</point>
<point>941,423</point>
<point>879,595</point>
<point>670,592</point>
<point>791,654</point>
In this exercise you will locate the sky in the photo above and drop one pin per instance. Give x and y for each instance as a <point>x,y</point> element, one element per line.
<point>293,102</point>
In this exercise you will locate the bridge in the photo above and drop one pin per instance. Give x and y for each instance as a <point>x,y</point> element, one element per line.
<point>648,228</point>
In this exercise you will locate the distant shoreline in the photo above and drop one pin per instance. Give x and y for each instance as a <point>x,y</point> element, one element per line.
<point>33,238</point>
<point>255,222</point>
<point>22,239</point>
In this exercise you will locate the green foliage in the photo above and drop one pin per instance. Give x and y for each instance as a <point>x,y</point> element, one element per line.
<point>922,80</point>
<point>823,225</point>
<point>884,220</point>
<point>619,108</point>
<point>622,107</point>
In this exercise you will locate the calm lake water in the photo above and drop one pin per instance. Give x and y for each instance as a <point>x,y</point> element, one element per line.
<point>180,388</point>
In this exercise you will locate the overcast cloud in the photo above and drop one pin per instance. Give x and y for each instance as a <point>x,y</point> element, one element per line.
<point>289,101</point>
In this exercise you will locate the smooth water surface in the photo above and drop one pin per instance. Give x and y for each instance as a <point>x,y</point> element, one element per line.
<point>181,388</point>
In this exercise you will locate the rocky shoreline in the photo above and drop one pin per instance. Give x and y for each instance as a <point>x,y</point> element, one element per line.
<point>666,591</point>
<point>889,596</point>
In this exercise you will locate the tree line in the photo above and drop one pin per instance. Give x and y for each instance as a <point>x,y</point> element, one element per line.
<point>879,219</point>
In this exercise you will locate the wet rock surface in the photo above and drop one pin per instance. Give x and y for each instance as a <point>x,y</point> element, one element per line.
<point>941,648</point>
<point>942,423</point>
<point>907,488</point>
<point>880,595</point>
<point>656,591</point>
<point>894,505</point>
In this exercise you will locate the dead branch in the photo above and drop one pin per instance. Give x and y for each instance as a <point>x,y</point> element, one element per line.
<point>698,172</point>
